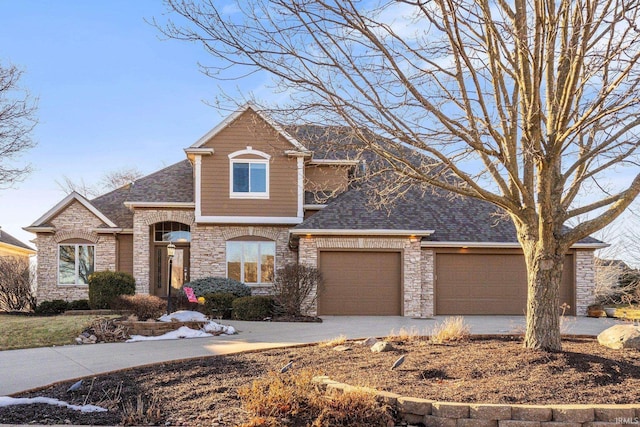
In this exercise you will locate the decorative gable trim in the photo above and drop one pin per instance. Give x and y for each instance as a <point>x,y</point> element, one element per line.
<point>63,204</point>
<point>232,117</point>
<point>249,151</point>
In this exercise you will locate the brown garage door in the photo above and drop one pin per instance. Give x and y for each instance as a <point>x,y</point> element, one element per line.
<point>489,284</point>
<point>360,283</point>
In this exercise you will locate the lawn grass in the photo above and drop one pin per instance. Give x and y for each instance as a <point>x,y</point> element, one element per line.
<point>40,331</point>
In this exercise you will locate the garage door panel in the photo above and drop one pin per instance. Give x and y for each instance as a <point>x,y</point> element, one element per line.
<point>489,284</point>
<point>360,283</point>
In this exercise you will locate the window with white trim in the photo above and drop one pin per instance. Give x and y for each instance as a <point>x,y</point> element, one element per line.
<point>249,178</point>
<point>251,262</point>
<point>75,263</point>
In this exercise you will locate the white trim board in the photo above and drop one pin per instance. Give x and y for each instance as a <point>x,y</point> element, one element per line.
<point>249,219</point>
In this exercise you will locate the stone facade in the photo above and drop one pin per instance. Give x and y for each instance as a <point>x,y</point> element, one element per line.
<point>427,262</point>
<point>208,248</point>
<point>208,255</point>
<point>412,282</point>
<point>585,281</point>
<point>143,219</point>
<point>76,223</point>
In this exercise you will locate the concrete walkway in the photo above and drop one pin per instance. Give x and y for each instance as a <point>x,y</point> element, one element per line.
<point>26,369</point>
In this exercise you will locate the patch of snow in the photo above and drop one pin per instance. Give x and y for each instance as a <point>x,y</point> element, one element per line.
<point>182,332</point>
<point>216,328</point>
<point>10,401</point>
<point>184,316</point>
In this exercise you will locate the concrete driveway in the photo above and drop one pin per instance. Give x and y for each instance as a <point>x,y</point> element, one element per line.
<point>31,368</point>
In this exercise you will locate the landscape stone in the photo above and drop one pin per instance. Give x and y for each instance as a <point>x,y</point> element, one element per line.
<point>621,337</point>
<point>369,341</point>
<point>342,348</point>
<point>381,346</point>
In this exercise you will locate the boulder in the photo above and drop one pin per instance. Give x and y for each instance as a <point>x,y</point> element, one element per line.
<point>620,337</point>
<point>381,346</point>
<point>342,348</point>
<point>369,341</point>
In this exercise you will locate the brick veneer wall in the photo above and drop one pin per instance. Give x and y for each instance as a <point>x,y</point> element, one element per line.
<point>412,264</point>
<point>75,222</point>
<point>142,220</point>
<point>585,281</point>
<point>428,282</point>
<point>414,410</point>
<point>209,249</point>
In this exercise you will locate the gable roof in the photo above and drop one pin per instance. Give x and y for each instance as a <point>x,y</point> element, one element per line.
<point>451,218</point>
<point>73,196</point>
<point>233,116</point>
<point>8,239</point>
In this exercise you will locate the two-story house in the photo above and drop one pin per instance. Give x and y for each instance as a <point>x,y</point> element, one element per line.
<point>241,206</point>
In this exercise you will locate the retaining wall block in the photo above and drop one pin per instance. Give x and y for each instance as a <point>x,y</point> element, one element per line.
<point>560,424</point>
<point>573,414</point>
<point>470,422</point>
<point>414,405</point>
<point>613,412</point>
<point>518,423</point>
<point>388,398</point>
<point>531,413</point>
<point>606,424</point>
<point>450,410</point>
<point>490,412</point>
<point>413,418</point>
<point>433,421</point>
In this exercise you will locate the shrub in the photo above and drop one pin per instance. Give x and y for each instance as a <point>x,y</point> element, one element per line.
<point>16,281</point>
<point>452,329</point>
<point>50,308</point>
<point>105,286</point>
<point>219,304</point>
<point>212,285</point>
<point>80,304</point>
<point>253,308</point>
<point>296,289</point>
<point>143,306</point>
<point>297,398</point>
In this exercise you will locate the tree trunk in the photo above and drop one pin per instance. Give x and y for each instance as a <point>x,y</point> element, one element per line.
<point>544,276</point>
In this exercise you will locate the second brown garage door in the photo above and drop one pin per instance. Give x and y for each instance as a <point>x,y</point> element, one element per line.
<point>489,284</point>
<point>360,283</point>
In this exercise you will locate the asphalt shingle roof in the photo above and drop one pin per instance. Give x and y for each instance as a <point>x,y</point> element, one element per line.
<point>171,184</point>
<point>454,218</point>
<point>10,240</point>
<point>112,206</point>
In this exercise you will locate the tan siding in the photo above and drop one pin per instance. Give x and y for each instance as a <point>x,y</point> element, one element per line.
<point>125,253</point>
<point>489,282</point>
<point>327,178</point>
<point>249,130</point>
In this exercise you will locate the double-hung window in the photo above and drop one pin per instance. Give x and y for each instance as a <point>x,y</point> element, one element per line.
<point>75,263</point>
<point>251,262</point>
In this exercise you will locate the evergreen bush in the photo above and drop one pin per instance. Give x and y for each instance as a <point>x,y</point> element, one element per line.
<point>105,286</point>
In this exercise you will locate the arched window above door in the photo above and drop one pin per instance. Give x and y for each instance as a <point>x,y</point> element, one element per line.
<point>171,231</point>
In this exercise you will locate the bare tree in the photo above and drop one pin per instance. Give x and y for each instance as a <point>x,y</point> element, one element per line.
<point>16,284</point>
<point>527,104</point>
<point>109,181</point>
<point>17,120</point>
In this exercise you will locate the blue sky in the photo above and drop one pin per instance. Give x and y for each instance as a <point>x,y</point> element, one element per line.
<point>111,93</point>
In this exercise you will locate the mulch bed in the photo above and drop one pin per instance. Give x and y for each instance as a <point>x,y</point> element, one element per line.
<point>495,370</point>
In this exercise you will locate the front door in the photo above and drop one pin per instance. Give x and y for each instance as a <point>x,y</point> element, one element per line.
<point>179,270</point>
